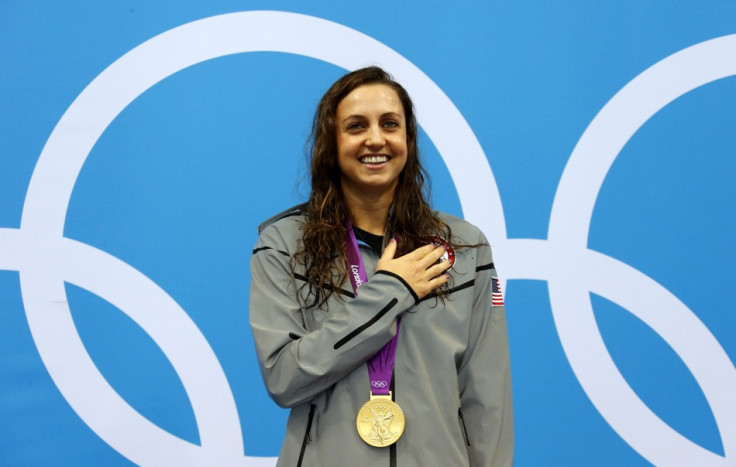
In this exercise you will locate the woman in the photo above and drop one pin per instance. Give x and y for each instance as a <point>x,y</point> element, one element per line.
<point>384,354</point>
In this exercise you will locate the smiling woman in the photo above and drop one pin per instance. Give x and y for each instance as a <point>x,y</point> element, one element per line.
<point>371,141</point>
<point>423,346</point>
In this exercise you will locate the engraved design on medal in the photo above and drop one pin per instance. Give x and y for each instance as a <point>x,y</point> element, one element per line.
<point>380,422</point>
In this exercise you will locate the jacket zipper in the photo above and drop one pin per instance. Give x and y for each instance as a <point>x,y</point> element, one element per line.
<point>307,436</point>
<point>462,425</point>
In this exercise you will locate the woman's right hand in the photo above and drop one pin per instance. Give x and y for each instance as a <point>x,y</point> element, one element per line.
<point>417,268</point>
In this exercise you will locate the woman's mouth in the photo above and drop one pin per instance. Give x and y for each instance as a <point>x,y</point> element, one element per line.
<point>377,159</point>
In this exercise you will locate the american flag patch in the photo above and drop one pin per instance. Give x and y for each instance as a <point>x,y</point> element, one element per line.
<point>497,298</point>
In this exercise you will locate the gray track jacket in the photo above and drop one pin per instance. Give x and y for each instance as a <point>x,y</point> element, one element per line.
<point>451,375</point>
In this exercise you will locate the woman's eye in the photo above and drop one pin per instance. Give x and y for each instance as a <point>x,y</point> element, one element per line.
<point>391,124</point>
<point>354,126</point>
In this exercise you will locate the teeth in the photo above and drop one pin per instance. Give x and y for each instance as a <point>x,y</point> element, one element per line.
<point>373,159</point>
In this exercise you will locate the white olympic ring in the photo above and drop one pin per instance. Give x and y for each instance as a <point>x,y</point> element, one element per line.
<point>379,384</point>
<point>573,271</point>
<point>45,258</point>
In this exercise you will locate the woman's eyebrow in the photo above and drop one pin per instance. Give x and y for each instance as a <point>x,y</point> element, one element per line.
<point>361,116</point>
<point>354,116</point>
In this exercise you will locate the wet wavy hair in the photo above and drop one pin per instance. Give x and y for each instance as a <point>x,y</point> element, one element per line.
<point>322,253</point>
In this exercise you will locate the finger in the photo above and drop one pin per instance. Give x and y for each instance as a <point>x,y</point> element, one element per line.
<point>437,282</point>
<point>439,268</point>
<point>420,252</point>
<point>390,251</point>
<point>432,257</point>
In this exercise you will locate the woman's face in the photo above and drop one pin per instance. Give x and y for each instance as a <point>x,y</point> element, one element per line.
<point>371,140</point>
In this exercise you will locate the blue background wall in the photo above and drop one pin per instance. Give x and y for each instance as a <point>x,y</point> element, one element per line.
<point>176,184</point>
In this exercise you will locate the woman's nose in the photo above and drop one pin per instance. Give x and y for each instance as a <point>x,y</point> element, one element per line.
<point>374,137</point>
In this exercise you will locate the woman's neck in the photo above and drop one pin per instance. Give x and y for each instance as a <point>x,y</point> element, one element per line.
<point>369,213</point>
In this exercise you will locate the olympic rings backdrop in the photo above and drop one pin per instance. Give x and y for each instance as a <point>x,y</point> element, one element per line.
<point>141,143</point>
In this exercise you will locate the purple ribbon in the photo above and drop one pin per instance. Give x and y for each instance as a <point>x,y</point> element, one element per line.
<point>381,365</point>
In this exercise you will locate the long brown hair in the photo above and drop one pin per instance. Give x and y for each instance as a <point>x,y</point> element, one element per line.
<point>323,251</point>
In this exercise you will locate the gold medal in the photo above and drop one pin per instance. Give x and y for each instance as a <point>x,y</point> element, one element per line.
<point>380,421</point>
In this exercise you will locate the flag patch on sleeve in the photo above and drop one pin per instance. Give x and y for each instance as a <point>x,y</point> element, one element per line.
<point>497,298</point>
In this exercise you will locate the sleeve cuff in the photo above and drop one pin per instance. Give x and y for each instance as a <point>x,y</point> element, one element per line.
<point>408,287</point>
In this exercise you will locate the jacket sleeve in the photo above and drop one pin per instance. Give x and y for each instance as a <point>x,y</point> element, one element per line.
<point>484,377</point>
<point>298,363</point>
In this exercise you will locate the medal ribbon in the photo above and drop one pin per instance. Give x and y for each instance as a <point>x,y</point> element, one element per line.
<point>381,365</point>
